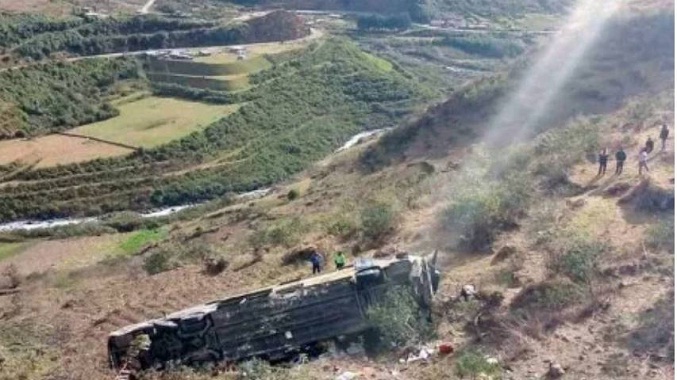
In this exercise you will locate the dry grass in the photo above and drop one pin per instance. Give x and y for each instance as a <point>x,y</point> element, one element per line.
<point>153,121</point>
<point>253,51</point>
<point>53,150</point>
<point>67,254</point>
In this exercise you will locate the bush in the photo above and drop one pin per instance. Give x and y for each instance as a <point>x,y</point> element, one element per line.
<point>399,319</point>
<point>577,259</point>
<point>656,331</point>
<point>342,227</point>
<point>471,363</point>
<point>215,265</point>
<point>549,296</point>
<point>286,233</point>
<point>477,216</point>
<point>661,235</point>
<point>293,194</point>
<point>158,262</point>
<point>377,221</point>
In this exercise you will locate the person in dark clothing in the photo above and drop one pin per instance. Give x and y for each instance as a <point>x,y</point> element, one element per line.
<point>648,147</point>
<point>620,159</point>
<point>316,260</point>
<point>664,136</point>
<point>603,158</point>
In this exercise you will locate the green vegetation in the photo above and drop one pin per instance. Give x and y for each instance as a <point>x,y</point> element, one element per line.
<point>485,205</point>
<point>293,194</point>
<point>141,239</point>
<point>577,258</point>
<point>171,254</point>
<point>551,296</point>
<point>472,363</point>
<point>377,22</point>
<point>20,27</point>
<point>286,233</point>
<point>661,235</point>
<point>304,109</point>
<point>57,96</point>
<point>377,221</point>
<point>486,46</point>
<point>342,226</point>
<point>10,249</point>
<point>655,333</point>
<point>495,8</point>
<point>399,319</point>
<point>158,262</point>
<point>99,36</point>
<point>36,37</point>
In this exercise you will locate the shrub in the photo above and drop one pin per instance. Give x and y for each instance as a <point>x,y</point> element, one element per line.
<point>286,233</point>
<point>471,363</point>
<point>662,235</point>
<point>399,319</point>
<point>342,227</point>
<point>125,221</point>
<point>577,259</point>
<point>477,216</point>
<point>158,262</point>
<point>377,221</point>
<point>656,332</point>
<point>214,265</point>
<point>547,296</point>
<point>293,194</point>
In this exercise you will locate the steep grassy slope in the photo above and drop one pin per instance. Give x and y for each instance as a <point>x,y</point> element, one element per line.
<point>298,112</point>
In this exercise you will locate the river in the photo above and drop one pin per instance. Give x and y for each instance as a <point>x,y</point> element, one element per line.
<point>28,225</point>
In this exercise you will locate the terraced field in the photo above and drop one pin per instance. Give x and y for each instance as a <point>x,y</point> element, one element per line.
<point>223,70</point>
<point>153,121</point>
<point>52,150</point>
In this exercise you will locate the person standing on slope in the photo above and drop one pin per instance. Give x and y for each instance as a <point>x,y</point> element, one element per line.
<point>620,159</point>
<point>643,158</point>
<point>664,136</point>
<point>648,147</point>
<point>603,158</point>
<point>339,260</point>
<point>316,260</point>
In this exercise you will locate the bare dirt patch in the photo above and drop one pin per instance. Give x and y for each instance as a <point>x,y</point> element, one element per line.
<point>64,254</point>
<point>56,149</point>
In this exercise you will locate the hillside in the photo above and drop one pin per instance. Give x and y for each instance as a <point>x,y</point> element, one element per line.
<point>574,270</point>
<point>420,10</point>
<point>296,113</point>
<point>33,37</point>
<point>615,71</point>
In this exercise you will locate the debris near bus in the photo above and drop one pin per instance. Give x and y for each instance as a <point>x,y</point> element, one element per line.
<point>274,323</point>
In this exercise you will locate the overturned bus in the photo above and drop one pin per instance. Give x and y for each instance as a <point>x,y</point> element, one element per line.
<point>275,322</point>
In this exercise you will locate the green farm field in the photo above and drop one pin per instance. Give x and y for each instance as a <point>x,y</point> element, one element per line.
<point>154,121</point>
